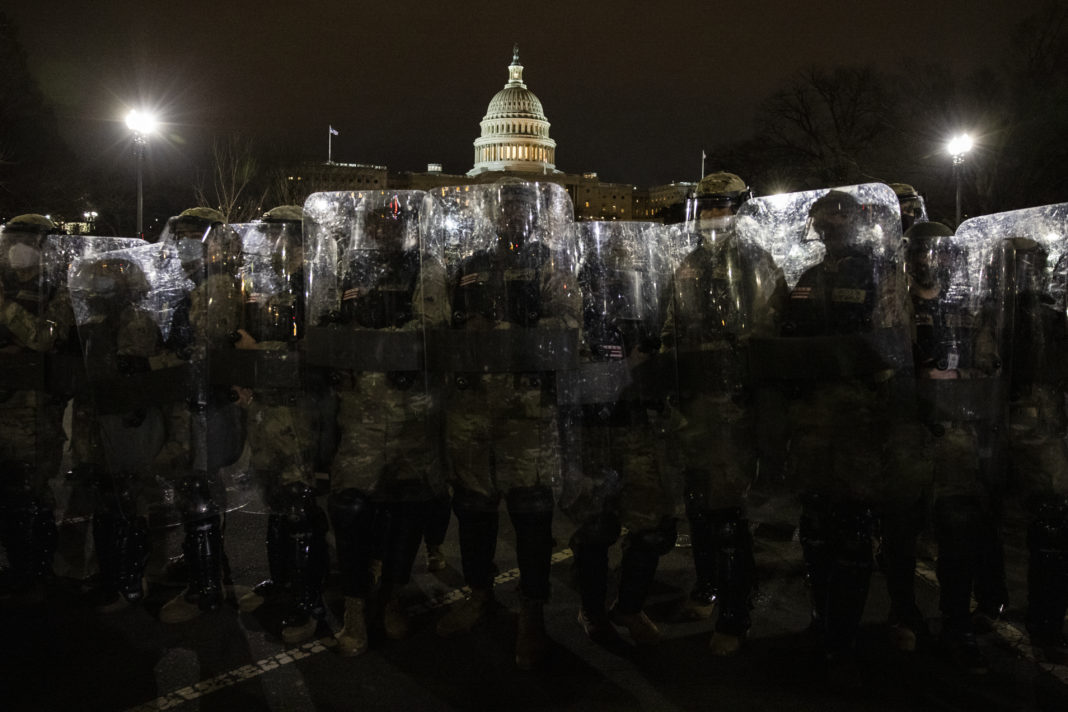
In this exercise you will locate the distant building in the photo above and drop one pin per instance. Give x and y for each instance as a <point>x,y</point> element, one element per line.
<point>514,141</point>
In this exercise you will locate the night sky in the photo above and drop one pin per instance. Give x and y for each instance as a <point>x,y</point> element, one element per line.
<point>633,90</point>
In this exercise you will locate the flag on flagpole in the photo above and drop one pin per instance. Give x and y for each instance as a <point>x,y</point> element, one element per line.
<point>333,131</point>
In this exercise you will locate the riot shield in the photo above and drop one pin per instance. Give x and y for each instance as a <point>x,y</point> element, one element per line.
<point>137,389</point>
<point>1034,245</point>
<point>725,291</point>
<point>609,438</point>
<point>840,253</point>
<point>39,366</point>
<point>513,326</point>
<point>844,356</point>
<point>958,305</point>
<point>375,285</point>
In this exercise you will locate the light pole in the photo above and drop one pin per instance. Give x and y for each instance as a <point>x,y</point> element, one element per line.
<point>142,124</point>
<point>957,147</point>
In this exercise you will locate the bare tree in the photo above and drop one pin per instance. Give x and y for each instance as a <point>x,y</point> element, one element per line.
<point>230,184</point>
<point>828,124</point>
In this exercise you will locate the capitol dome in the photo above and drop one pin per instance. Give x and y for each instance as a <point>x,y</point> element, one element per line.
<point>515,131</point>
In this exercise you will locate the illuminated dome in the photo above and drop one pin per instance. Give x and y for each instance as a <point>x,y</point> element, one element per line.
<point>515,132</point>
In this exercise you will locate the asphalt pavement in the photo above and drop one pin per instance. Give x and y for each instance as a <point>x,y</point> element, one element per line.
<point>58,654</point>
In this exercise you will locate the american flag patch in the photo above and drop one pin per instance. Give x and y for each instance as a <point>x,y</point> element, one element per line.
<point>801,293</point>
<point>350,294</point>
<point>469,279</point>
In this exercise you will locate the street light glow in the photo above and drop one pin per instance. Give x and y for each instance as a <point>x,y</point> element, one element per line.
<point>959,145</point>
<point>140,122</point>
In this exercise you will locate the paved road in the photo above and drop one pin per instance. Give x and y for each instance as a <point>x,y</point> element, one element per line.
<point>61,656</point>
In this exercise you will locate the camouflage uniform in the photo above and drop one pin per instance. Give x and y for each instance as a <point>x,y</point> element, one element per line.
<point>515,319</point>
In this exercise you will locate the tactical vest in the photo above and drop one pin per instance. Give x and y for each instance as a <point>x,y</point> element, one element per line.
<point>500,288</point>
<point>386,300</point>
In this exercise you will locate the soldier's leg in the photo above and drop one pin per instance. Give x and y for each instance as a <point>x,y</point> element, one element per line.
<point>735,574</point>
<point>352,515</point>
<point>27,527</point>
<point>702,600</point>
<point>641,554</point>
<point>203,552</point>
<point>531,511</point>
<point>305,562</point>
<point>1047,575</point>
<point>120,536</point>
<point>959,530</point>
<point>814,531</point>
<point>590,543</point>
<point>901,525</point>
<point>403,524</point>
<point>437,525</point>
<point>478,522</point>
<point>851,563</point>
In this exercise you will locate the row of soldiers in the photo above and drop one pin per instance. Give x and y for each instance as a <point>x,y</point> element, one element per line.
<point>477,342</point>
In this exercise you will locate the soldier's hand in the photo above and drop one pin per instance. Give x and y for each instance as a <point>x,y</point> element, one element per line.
<point>244,395</point>
<point>244,340</point>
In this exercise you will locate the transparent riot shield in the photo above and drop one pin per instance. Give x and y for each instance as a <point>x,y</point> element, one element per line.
<point>621,383</point>
<point>39,367</point>
<point>840,252</point>
<point>513,326</point>
<point>844,353</point>
<point>260,361</point>
<point>375,286</point>
<point>958,304</point>
<point>137,389</point>
<point>1034,244</point>
<point>725,291</point>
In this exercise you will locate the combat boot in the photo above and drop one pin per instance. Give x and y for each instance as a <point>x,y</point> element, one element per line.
<point>466,614</point>
<point>724,645</point>
<point>642,630</point>
<point>531,643</point>
<point>352,638</point>
<point>598,627</point>
<point>394,619</point>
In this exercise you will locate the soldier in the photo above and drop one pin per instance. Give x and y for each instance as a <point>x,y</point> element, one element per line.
<point>120,313</point>
<point>612,475</point>
<point>376,287</point>
<point>281,416</point>
<point>913,208</point>
<point>515,320</point>
<point>956,309</point>
<point>724,291</point>
<point>843,359</point>
<point>207,433</point>
<point>35,321</point>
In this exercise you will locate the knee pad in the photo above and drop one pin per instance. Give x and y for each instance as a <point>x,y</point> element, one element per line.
<point>196,498</point>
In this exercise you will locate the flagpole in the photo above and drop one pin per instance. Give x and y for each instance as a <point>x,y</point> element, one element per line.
<point>329,143</point>
<point>702,164</point>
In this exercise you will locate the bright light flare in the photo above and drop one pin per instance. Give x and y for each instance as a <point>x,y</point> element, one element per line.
<point>140,122</point>
<point>959,145</point>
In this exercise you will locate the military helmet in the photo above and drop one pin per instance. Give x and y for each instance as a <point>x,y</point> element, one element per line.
<point>31,223</point>
<point>284,213</point>
<point>722,189</point>
<point>904,191</point>
<point>834,202</point>
<point>927,231</point>
<point>209,215</point>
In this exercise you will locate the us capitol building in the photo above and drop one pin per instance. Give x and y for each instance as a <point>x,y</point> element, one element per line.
<point>514,141</point>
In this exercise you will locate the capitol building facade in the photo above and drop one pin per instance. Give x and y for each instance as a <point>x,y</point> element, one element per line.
<point>514,141</point>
